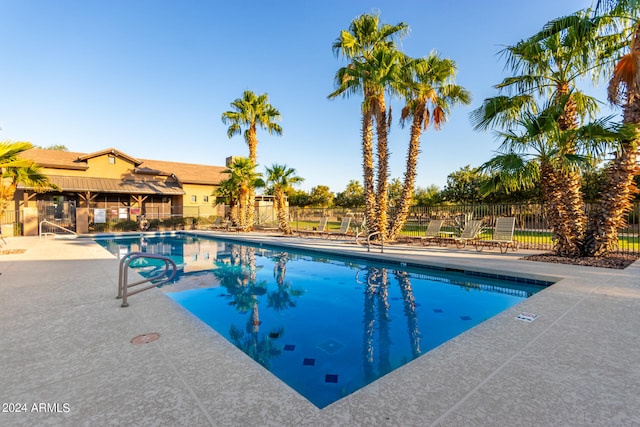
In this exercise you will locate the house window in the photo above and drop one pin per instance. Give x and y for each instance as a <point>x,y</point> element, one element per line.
<point>112,160</point>
<point>194,199</point>
<point>205,199</point>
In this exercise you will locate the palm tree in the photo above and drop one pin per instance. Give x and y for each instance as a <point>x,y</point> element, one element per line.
<point>282,179</point>
<point>243,181</point>
<point>547,66</point>
<point>604,36</point>
<point>619,186</point>
<point>227,193</point>
<point>250,112</point>
<point>430,93</point>
<point>527,156</point>
<point>619,24</point>
<point>14,171</point>
<point>373,68</point>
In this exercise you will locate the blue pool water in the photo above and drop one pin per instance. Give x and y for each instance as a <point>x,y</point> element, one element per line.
<point>324,325</point>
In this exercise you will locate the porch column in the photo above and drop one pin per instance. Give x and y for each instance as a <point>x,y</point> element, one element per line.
<point>30,221</point>
<point>82,220</point>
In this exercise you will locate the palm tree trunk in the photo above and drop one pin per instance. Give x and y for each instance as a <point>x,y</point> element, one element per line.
<point>575,218</point>
<point>251,209</point>
<point>367,171</point>
<point>242,209</point>
<point>616,201</point>
<point>382,193</point>
<point>571,200</point>
<point>410,173</point>
<point>619,185</point>
<point>557,216</point>
<point>283,222</point>
<point>252,142</point>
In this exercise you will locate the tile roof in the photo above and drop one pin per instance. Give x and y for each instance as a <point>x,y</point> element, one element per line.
<point>185,172</point>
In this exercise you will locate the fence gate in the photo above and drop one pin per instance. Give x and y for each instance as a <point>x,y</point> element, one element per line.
<point>60,213</point>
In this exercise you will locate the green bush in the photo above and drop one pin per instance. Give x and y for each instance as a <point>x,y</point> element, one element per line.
<point>173,222</point>
<point>98,228</point>
<point>127,225</point>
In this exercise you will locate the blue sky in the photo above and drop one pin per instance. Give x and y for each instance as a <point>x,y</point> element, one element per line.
<point>152,77</point>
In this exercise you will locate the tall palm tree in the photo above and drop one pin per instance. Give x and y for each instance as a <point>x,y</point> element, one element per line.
<point>244,179</point>
<point>547,66</point>
<point>252,112</point>
<point>430,92</point>
<point>14,171</point>
<point>620,27</point>
<point>282,179</point>
<point>619,186</point>
<point>373,67</point>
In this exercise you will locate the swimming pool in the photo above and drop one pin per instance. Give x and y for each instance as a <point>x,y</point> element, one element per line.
<point>324,325</point>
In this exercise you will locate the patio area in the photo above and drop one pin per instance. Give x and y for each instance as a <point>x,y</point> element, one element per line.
<point>68,359</point>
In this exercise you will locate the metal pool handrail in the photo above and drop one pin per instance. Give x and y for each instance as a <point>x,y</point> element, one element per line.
<point>369,236</point>
<point>123,275</point>
<point>71,233</point>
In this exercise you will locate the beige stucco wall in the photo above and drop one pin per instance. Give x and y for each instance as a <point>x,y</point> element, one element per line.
<point>200,191</point>
<point>100,167</point>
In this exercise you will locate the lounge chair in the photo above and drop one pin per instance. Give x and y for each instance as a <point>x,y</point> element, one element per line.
<point>216,224</point>
<point>469,234</point>
<point>502,236</point>
<point>344,229</point>
<point>432,233</point>
<point>317,231</point>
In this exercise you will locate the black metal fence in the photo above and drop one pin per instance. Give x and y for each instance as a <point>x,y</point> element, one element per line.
<point>531,230</point>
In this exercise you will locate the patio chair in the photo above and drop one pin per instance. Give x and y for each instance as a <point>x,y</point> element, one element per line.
<point>502,236</point>
<point>344,229</point>
<point>432,233</point>
<point>317,231</point>
<point>469,234</point>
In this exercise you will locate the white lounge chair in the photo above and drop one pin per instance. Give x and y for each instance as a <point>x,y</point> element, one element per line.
<point>469,233</point>
<point>432,232</point>
<point>344,229</point>
<point>502,236</point>
<point>317,231</point>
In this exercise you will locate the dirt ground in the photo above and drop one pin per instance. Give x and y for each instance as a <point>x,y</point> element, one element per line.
<point>612,261</point>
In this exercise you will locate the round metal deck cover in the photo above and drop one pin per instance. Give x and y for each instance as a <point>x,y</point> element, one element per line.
<point>145,338</point>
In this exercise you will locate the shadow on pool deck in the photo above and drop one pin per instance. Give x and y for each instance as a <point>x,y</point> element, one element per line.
<point>67,356</point>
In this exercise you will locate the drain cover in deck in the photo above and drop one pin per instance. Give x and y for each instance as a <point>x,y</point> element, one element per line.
<point>145,338</point>
<point>527,317</point>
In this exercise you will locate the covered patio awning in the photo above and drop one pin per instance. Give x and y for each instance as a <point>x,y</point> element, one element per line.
<point>104,185</point>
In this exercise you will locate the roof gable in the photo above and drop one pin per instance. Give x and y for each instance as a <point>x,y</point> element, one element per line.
<point>113,152</point>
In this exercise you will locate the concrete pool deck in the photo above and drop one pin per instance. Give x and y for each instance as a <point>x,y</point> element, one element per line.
<point>67,358</point>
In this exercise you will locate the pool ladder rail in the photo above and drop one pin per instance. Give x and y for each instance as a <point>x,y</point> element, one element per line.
<point>369,236</point>
<point>123,275</point>
<point>50,230</point>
